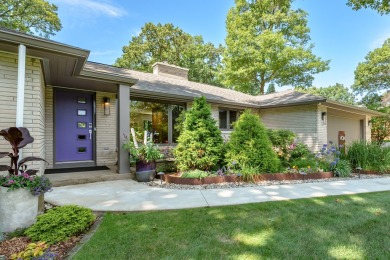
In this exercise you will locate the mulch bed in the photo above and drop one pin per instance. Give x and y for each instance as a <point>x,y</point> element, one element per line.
<point>18,244</point>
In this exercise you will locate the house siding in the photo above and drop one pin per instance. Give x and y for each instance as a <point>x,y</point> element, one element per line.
<point>305,121</point>
<point>106,131</point>
<point>351,127</point>
<point>49,131</point>
<point>34,112</point>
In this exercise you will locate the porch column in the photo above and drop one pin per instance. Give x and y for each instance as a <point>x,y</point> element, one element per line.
<point>123,127</point>
<point>21,83</point>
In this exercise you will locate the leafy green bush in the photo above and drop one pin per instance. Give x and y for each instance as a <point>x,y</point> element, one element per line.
<point>249,173</point>
<point>282,141</point>
<point>195,174</point>
<point>342,168</point>
<point>369,156</point>
<point>60,223</point>
<point>200,144</point>
<point>250,146</point>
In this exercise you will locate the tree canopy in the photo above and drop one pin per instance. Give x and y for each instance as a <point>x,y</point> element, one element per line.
<point>268,42</point>
<point>165,42</point>
<point>382,6</point>
<point>32,16</point>
<point>336,92</point>
<point>372,76</point>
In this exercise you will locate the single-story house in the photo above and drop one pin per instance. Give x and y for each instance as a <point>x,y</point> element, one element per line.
<point>80,112</point>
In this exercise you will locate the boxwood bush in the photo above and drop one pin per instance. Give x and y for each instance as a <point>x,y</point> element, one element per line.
<point>60,223</point>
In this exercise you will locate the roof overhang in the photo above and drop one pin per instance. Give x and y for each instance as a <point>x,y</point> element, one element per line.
<point>62,65</point>
<point>352,109</point>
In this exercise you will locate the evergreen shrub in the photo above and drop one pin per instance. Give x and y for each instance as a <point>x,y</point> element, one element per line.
<point>60,223</point>
<point>250,146</point>
<point>200,144</point>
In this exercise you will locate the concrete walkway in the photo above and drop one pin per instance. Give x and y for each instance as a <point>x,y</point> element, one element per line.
<point>128,195</point>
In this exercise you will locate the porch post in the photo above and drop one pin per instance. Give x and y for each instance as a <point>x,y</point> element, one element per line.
<point>21,83</point>
<point>123,127</point>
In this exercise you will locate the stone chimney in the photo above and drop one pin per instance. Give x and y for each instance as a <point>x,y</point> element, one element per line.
<point>171,71</point>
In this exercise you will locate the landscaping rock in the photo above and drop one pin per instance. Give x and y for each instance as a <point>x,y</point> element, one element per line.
<point>228,185</point>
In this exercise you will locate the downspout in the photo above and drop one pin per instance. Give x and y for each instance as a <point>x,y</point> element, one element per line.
<point>21,87</point>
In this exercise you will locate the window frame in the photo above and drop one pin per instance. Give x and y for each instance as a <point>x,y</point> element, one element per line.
<point>170,117</point>
<point>228,123</point>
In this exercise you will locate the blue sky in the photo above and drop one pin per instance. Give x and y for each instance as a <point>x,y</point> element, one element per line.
<point>340,34</point>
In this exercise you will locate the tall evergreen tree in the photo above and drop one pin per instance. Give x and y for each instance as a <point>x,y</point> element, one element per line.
<point>200,144</point>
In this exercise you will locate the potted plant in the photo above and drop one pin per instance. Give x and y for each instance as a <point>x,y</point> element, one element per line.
<point>144,156</point>
<point>19,188</point>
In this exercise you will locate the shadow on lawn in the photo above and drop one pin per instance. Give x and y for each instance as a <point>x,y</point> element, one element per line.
<point>352,226</point>
<point>346,227</point>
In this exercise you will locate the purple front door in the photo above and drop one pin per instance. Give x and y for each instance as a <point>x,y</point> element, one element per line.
<point>73,126</point>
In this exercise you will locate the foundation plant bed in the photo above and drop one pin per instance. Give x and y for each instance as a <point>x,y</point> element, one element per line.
<point>176,179</point>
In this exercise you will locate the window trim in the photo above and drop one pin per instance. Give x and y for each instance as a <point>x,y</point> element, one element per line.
<point>228,123</point>
<point>170,117</point>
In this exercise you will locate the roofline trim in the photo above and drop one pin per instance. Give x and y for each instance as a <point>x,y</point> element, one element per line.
<point>352,107</point>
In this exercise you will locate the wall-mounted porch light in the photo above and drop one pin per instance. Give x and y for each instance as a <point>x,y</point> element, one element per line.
<point>370,123</point>
<point>323,117</point>
<point>106,106</point>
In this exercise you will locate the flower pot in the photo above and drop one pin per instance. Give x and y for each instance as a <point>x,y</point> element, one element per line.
<point>18,209</point>
<point>145,172</point>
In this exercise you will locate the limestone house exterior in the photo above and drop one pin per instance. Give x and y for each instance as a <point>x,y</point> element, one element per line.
<point>80,112</point>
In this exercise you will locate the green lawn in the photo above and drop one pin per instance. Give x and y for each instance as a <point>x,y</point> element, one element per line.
<point>340,227</point>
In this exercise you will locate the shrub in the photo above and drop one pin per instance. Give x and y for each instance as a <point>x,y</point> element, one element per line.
<point>195,174</point>
<point>249,173</point>
<point>282,141</point>
<point>250,146</point>
<point>328,157</point>
<point>60,223</point>
<point>200,144</point>
<point>35,251</point>
<point>342,168</point>
<point>369,156</point>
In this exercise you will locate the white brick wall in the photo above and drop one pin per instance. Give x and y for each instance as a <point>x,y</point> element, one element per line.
<point>106,131</point>
<point>49,131</point>
<point>304,121</point>
<point>33,102</point>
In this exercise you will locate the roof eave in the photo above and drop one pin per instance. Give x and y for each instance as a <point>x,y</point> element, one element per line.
<point>292,104</point>
<point>356,108</point>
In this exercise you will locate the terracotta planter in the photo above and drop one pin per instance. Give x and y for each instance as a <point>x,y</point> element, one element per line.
<point>18,209</point>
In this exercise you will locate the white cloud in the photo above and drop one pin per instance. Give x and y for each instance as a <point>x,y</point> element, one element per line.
<point>95,6</point>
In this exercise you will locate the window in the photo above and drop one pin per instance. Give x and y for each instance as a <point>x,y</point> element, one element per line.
<point>156,119</point>
<point>227,118</point>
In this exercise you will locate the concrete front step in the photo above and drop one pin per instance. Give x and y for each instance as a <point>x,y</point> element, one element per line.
<point>65,179</point>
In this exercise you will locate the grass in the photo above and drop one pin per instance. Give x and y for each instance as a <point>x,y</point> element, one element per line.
<point>339,227</point>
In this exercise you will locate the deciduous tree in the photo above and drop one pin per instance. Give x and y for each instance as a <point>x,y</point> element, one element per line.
<point>382,6</point>
<point>336,92</point>
<point>373,75</point>
<point>268,42</point>
<point>165,42</point>
<point>30,16</point>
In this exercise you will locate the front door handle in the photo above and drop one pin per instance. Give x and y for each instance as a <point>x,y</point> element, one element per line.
<point>90,134</point>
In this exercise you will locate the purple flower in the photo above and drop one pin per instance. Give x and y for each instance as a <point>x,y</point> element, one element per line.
<point>11,182</point>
